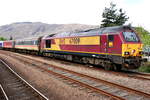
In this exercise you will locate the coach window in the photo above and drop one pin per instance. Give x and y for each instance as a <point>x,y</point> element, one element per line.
<point>36,42</point>
<point>48,43</point>
<point>110,40</point>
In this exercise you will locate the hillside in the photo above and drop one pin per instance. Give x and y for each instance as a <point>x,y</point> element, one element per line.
<point>29,29</point>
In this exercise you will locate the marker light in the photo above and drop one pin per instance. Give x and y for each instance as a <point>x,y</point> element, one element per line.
<point>126,53</point>
<point>133,51</point>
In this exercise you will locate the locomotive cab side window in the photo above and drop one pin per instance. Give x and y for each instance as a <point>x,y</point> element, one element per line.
<point>110,40</point>
<point>48,43</point>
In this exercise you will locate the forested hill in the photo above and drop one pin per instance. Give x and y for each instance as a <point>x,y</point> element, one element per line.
<point>29,29</point>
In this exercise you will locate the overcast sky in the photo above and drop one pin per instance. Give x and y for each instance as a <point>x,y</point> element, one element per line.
<point>71,11</point>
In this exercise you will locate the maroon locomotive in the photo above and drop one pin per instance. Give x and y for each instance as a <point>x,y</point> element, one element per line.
<point>112,47</point>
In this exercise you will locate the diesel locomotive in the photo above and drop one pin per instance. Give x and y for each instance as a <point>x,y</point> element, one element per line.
<point>113,48</point>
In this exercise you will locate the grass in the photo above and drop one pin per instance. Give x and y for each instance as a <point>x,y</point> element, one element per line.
<point>145,67</point>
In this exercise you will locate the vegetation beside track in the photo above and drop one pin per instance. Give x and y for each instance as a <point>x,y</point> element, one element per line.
<point>144,34</point>
<point>145,37</point>
<point>145,67</point>
<point>2,39</point>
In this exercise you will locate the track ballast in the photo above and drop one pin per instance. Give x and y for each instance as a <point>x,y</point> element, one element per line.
<point>15,87</point>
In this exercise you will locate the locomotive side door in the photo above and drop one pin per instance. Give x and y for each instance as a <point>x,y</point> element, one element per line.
<point>48,43</point>
<point>39,43</point>
<point>103,44</point>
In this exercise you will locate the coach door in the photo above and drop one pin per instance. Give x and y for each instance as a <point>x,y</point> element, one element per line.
<point>103,44</point>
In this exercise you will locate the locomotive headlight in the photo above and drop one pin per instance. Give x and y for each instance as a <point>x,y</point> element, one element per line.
<point>126,53</point>
<point>141,52</point>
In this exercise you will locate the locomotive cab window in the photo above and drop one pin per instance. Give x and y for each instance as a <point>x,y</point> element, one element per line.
<point>110,40</point>
<point>48,43</point>
<point>130,37</point>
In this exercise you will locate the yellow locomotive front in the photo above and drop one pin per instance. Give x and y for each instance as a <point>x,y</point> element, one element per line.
<point>131,50</point>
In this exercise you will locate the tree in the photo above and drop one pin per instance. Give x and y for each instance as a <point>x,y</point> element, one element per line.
<point>113,17</point>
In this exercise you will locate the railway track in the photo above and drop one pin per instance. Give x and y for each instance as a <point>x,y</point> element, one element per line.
<point>3,95</point>
<point>139,75</point>
<point>112,90</point>
<point>14,87</point>
<point>131,74</point>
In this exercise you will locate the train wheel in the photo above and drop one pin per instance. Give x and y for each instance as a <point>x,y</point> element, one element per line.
<point>117,67</point>
<point>108,66</point>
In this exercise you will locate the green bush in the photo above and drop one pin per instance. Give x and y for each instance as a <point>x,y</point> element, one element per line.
<point>144,35</point>
<point>2,39</point>
<point>145,67</point>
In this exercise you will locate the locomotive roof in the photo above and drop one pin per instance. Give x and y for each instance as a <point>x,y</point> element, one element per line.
<point>96,31</point>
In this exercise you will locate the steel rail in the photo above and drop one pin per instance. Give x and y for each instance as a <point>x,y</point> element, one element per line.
<point>113,84</point>
<point>96,79</point>
<point>85,85</point>
<point>121,73</point>
<point>6,97</point>
<point>106,82</point>
<point>130,74</point>
<point>44,97</point>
